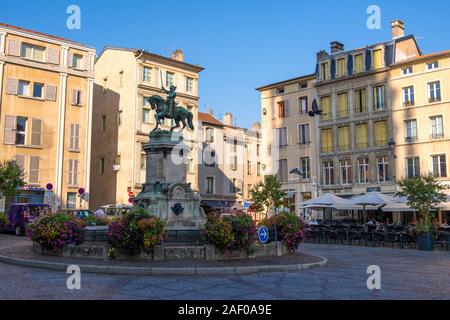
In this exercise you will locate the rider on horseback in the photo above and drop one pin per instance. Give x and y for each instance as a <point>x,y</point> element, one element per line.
<point>171,95</point>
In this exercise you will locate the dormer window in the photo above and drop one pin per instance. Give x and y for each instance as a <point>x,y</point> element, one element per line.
<point>325,71</point>
<point>377,59</point>
<point>280,91</point>
<point>433,65</point>
<point>340,72</point>
<point>359,63</point>
<point>407,71</point>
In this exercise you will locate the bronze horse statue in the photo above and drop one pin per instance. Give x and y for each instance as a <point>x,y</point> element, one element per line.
<point>162,109</point>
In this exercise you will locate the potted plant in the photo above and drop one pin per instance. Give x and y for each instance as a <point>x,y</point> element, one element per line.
<point>424,193</point>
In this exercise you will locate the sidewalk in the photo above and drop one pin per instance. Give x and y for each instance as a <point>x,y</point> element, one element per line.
<point>18,251</point>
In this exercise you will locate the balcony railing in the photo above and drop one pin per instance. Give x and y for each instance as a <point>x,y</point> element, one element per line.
<point>437,136</point>
<point>408,104</point>
<point>434,99</point>
<point>411,139</point>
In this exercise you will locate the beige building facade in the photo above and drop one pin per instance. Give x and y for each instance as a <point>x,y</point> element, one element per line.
<point>46,94</point>
<point>124,80</point>
<point>288,137</point>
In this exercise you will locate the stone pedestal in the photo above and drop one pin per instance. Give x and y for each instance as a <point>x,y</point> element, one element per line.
<point>166,194</point>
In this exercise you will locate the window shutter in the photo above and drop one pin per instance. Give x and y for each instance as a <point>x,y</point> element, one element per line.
<point>75,137</point>
<point>50,92</point>
<point>10,130</point>
<point>36,132</point>
<point>33,176</point>
<point>74,97</point>
<point>273,111</point>
<point>14,48</point>
<point>20,160</point>
<point>53,56</point>
<point>350,64</point>
<point>70,59</point>
<point>81,97</point>
<point>307,134</point>
<point>71,138</point>
<point>12,86</point>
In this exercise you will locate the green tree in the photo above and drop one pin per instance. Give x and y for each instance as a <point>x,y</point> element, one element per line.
<point>11,178</point>
<point>267,195</point>
<point>424,194</point>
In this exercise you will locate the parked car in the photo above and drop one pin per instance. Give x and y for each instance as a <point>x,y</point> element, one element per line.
<point>80,213</point>
<point>118,210</point>
<point>21,214</point>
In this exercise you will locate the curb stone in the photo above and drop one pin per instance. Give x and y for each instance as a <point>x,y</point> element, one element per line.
<point>118,270</point>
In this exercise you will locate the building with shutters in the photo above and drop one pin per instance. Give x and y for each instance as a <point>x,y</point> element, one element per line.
<point>122,120</point>
<point>288,137</point>
<point>230,162</point>
<point>46,94</point>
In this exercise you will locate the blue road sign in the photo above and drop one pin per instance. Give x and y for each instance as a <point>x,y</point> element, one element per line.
<point>246,205</point>
<point>263,234</point>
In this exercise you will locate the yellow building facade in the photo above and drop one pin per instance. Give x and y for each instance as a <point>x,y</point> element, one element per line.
<point>46,97</point>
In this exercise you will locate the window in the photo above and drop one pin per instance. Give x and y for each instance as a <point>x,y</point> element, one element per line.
<point>282,133</point>
<point>103,123</point>
<point>326,108</point>
<point>146,115</point>
<point>303,85</point>
<point>346,172</point>
<point>363,170</point>
<point>38,90</point>
<point>209,135</point>
<point>258,169</point>
<point>258,150</point>
<point>77,61</point>
<point>74,142</point>
<point>147,74</point>
<point>280,90</point>
<point>304,134</point>
<point>325,71</point>
<point>210,158</point>
<point>305,168</point>
<point>328,173</point>
<point>434,91</point>
<point>119,118</point>
<point>73,172</point>
<point>344,138</point>
<point>327,140</point>
<point>210,185</point>
<point>381,134</point>
<point>102,166</point>
<point>359,63</point>
<point>170,79</point>
<point>432,65</point>
<point>24,88</point>
<point>71,200</point>
<point>362,141</point>
<point>439,166</point>
<point>303,105</point>
<point>407,71</point>
<point>283,170</point>
<point>410,131</point>
<point>249,190</point>
<point>342,108</point>
<point>233,164</point>
<point>33,52</point>
<point>382,169</point>
<point>377,59</point>
<point>281,109</point>
<point>340,72</point>
<point>360,101</point>
<point>412,167</point>
<point>232,186</point>
<point>235,144</point>
<point>249,168</point>
<point>77,97</point>
<point>21,130</point>
<point>378,98</point>
<point>408,96</point>
<point>189,84</point>
<point>437,127</point>
<point>33,173</point>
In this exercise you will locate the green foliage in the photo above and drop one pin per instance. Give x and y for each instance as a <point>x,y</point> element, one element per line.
<point>424,193</point>
<point>231,232</point>
<point>137,230</point>
<point>267,195</point>
<point>289,227</point>
<point>92,220</point>
<point>3,220</point>
<point>53,231</point>
<point>11,178</point>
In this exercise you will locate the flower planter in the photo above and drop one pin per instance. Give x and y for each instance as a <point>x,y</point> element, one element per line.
<point>426,241</point>
<point>37,248</point>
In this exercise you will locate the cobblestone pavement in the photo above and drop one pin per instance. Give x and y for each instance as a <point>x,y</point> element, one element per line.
<point>407,274</point>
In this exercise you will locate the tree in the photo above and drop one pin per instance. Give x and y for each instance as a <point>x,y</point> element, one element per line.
<point>267,195</point>
<point>11,178</point>
<point>423,193</point>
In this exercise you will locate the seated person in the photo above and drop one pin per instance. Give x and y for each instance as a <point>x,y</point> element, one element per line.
<point>445,224</point>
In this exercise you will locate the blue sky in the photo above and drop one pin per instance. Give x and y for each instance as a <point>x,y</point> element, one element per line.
<point>242,44</point>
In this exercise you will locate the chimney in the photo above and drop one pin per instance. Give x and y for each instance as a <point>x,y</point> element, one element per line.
<point>178,55</point>
<point>398,29</point>
<point>336,46</point>
<point>228,119</point>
